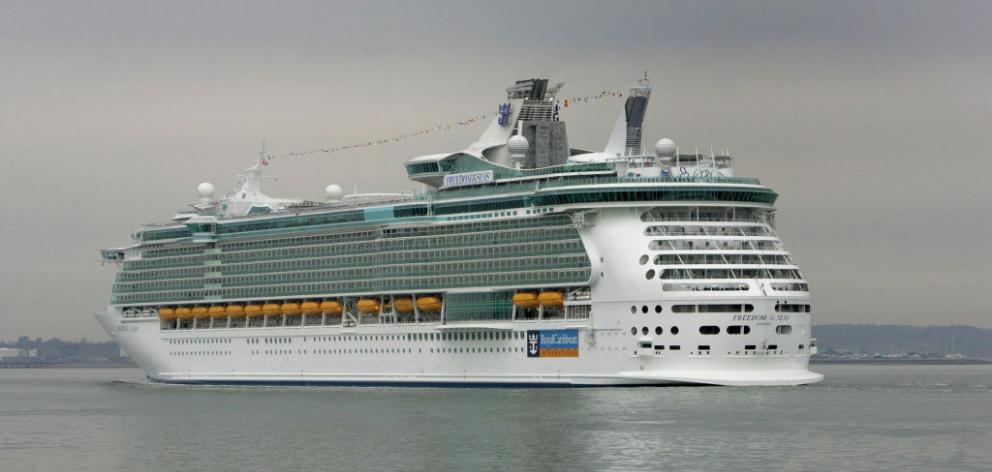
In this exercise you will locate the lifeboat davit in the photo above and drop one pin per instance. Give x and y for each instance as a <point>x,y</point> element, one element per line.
<point>331,307</point>
<point>552,299</point>
<point>403,305</point>
<point>201,312</point>
<point>310,308</point>
<point>368,305</point>
<point>429,303</point>
<point>271,309</point>
<point>253,310</point>
<point>184,313</point>
<point>291,309</point>
<point>235,310</point>
<point>167,313</point>
<point>526,300</point>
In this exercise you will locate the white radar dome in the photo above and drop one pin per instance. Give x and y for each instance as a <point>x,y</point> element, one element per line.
<point>333,192</point>
<point>665,148</point>
<point>205,190</point>
<point>517,145</point>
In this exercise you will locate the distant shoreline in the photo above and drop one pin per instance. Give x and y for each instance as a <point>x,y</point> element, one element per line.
<point>65,365</point>
<point>889,361</point>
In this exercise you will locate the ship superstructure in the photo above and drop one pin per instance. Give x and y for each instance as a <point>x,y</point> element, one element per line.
<point>524,262</point>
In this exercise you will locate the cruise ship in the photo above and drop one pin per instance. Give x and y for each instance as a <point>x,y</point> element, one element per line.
<point>523,262</point>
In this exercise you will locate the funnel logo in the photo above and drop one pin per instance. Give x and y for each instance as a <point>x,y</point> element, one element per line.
<point>553,343</point>
<point>504,114</point>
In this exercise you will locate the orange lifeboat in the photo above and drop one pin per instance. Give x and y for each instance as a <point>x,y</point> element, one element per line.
<point>526,300</point>
<point>253,310</point>
<point>235,310</point>
<point>331,307</point>
<point>218,311</point>
<point>201,312</point>
<point>310,308</point>
<point>271,309</point>
<point>184,313</point>
<point>291,309</point>
<point>167,313</point>
<point>552,299</point>
<point>403,305</point>
<point>429,303</point>
<point>368,305</point>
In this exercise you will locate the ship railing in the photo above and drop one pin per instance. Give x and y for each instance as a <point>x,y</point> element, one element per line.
<point>682,219</point>
<point>571,181</point>
<point>568,181</point>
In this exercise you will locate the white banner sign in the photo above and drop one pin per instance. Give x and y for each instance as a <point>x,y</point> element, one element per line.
<point>469,178</point>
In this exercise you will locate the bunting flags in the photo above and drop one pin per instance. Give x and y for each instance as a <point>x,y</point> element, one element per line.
<point>470,121</point>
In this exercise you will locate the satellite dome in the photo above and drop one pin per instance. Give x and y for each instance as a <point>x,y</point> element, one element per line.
<point>665,148</point>
<point>517,145</point>
<point>333,192</point>
<point>205,190</point>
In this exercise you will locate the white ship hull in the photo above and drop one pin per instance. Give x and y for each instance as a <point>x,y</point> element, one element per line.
<point>608,353</point>
<point>313,356</point>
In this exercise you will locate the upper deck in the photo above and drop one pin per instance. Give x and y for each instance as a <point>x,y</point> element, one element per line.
<point>521,160</point>
<point>560,188</point>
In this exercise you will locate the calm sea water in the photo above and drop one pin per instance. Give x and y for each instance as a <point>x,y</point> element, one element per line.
<point>898,418</point>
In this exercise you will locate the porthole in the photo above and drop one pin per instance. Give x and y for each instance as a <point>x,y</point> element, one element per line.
<point>633,309</point>
<point>633,330</point>
<point>674,330</point>
<point>658,330</point>
<point>649,274</point>
<point>644,330</point>
<point>644,259</point>
<point>644,309</point>
<point>709,330</point>
<point>657,308</point>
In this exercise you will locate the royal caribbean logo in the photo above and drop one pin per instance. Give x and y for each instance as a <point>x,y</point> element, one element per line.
<point>504,114</point>
<point>553,343</point>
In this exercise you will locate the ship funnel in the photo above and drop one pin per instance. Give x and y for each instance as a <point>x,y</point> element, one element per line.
<point>626,137</point>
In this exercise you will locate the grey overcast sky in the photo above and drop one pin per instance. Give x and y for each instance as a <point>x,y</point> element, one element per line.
<point>873,121</point>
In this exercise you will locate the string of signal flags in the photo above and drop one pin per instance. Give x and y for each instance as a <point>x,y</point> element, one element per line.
<point>560,103</point>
